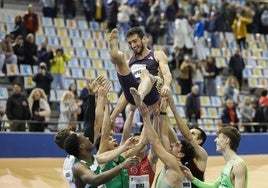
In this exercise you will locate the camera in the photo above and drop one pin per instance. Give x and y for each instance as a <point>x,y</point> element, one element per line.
<point>42,67</point>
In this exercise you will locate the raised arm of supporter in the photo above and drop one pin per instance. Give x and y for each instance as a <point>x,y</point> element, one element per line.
<point>81,171</point>
<point>199,150</point>
<point>102,97</point>
<point>105,129</point>
<point>110,155</point>
<point>168,159</point>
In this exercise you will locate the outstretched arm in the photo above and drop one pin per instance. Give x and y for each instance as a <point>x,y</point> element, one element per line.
<point>110,155</point>
<point>102,97</point>
<point>82,172</point>
<point>197,182</point>
<point>201,154</point>
<point>168,159</point>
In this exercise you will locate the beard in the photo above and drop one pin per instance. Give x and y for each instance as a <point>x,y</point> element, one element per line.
<point>139,50</point>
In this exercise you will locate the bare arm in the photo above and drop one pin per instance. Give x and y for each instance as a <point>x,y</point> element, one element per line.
<point>102,97</point>
<point>163,64</point>
<point>240,171</point>
<point>88,177</point>
<point>106,130</point>
<point>201,154</point>
<point>110,155</point>
<point>168,159</point>
<point>128,125</point>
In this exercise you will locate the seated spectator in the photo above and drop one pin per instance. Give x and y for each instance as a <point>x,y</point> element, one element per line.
<point>31,52</point>
<point>6,52</point>
<point>229,115</point>
<point>247,114</point>
<point>39,109</point>
<point>19,49</point>
<point>232,90</point>
<point>19,29</point>
<point>193,106</point>
<point>68,108</point>
<point>263,104</point>
<point>45,54</point>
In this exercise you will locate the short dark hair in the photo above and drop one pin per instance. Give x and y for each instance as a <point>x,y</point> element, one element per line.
<point>188,150</point>
<point>136,31</point>
<point>71,145</point>
<point>202,136</point>
<point>233,134</point>
<point>61,136</point>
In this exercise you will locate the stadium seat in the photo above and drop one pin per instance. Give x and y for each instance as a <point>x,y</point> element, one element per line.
<point>181,111</point>
<point>77,73</point>
<point>59,22</point>
<point>26,70</point>
<point>12,70</point>
<point>71,23</point>
<point>104,54</point>
<point>90,73</point>
<point>62,32</point>
<point>182,100</point>
<point>97,64</point>
<point>85,63</point>
<point>50,31</point>
<point>77,42</point>
<point>74,33</point>
<point>74,62</point>
<point>3,93</point>
<point>94,25</point>
<point>205,101</point>
<point>93,53</point>
<point>86,34</point>
<point>82,24</point>
<point>47,21</point>
<point>28,82</point>
<point>81,84</point>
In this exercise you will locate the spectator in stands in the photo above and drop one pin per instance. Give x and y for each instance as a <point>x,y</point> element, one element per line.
<point>210,76</point>
<point>88,9</point>
<point>153,24</point>
<point>69,9</point>
<point>239,28</point>
<point>193,107</point>
<point>17,109</point>
<point>198,78</point>
<point>43,79</point>
<point>45,54</point>
<point>247,114</point>
<point>57,67</point>
<point>170,14</point>
<point>19,50</point>
<point>49,8</point>
<point>231,90</point>
<point>73,89</point>
<point>263,108</point>
<point>39,109</point>
<point>30,50</point>
<point>2,113</point>
<point>6,53</point>
<point>229,115</point>
<point>215,26</point>
<point>31,20</point>
<point>237,65</point>
<point>99,11</point>
<point>68,108</point>
<point>112,11</point>
<point>183,33</point>
<point>200,43</point>
<point>177,58</point>
<point>19,29</point>
<point>187,71</point>
<point>124,13</point>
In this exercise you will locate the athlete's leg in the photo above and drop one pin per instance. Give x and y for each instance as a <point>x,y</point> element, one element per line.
<point>117,57</point>
<point>146,84</point>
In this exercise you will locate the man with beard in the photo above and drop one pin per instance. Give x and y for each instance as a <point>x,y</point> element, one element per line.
<point>141,78</point>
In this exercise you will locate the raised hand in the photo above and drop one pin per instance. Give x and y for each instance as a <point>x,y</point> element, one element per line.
<point>131,161</point>
<point>187,173</point>
<point>94,85</point>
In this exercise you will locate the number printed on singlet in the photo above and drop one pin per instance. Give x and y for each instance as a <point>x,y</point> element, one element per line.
<point>186,183</point>
<point>136,69</point>
<point>141,181</point>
